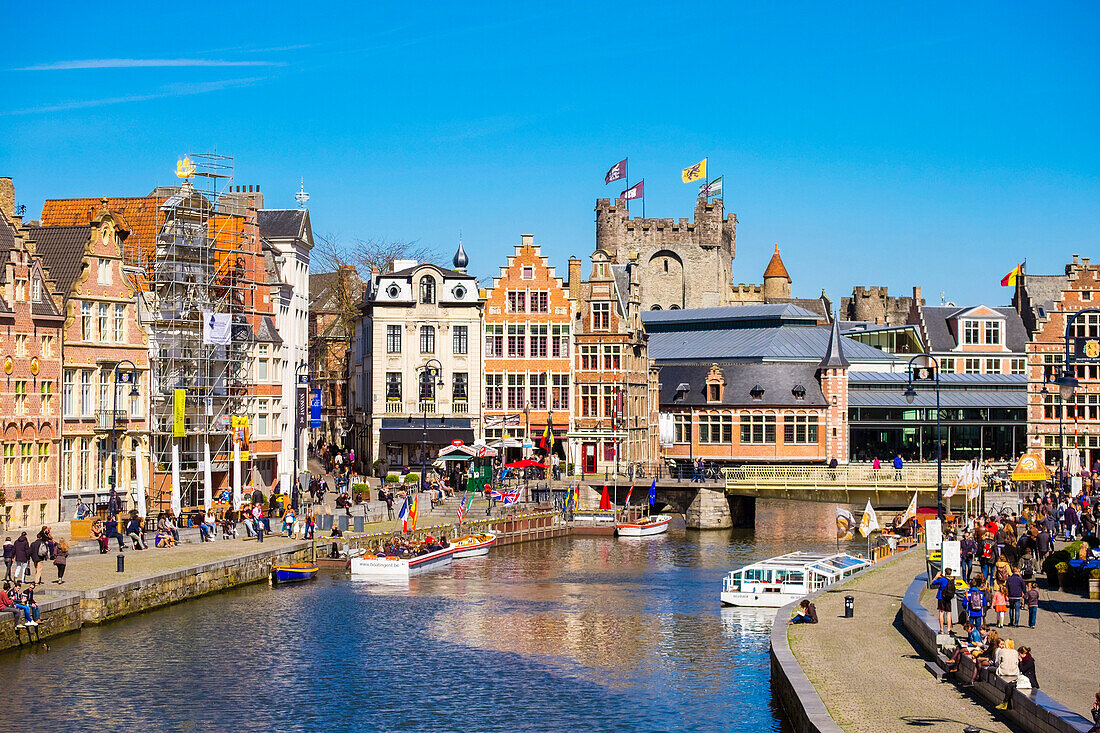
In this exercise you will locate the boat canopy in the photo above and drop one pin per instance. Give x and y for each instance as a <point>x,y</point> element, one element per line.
<point>825,566</point>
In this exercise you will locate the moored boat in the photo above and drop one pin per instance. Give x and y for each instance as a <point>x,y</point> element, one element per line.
<point>784,579</point>
<point>392,566</point>
<point>473,545</point>
<point>293,572</point>
<point>644,526</point>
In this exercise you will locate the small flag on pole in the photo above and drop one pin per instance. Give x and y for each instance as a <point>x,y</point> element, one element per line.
<point>697,172</point>
<point>403,515</point>
<point>634,192</point>
<point>869,522</point>
<point>1009,280</point>
<point>714,188</point>
<point>412,516</point>
<point>910,512</point>
<point>626,501</point>
<point>653,493</point>
<point>617,172</point>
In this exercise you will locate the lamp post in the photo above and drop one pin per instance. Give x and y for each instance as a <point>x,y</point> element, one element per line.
<point>1067,382</point>
<point>430,377</point>
<point>910,395</point>
<point>131,377</point>
<point>301,381</point>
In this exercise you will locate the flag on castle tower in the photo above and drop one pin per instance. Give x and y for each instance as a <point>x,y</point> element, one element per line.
<point>695,172</point>
<point>714,188</point>
<point>618,171</point>
<point>634,192</point>
<point>1010,279</point>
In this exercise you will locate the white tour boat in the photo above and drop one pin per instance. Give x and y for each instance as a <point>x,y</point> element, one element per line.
<point>473,545</point>
<point>645,526</point>
<point>401,567</point>
<point>781,580</point>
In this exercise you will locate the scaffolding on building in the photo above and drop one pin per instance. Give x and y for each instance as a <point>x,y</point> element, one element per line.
<point>200,277</point>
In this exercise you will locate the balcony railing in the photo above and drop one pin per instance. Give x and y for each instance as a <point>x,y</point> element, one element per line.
<point>106,419</point>
<point>395,407</point>
<point>427,406</point>
<point>460,407</point>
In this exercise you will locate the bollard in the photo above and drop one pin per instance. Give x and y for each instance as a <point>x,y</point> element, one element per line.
<point>849,607</point>
<point>121,560</point>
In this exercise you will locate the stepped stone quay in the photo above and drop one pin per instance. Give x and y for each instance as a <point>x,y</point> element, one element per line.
<point>875,671</point>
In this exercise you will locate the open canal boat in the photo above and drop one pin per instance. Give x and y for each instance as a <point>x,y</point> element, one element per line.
<point>781,580</point>
<point>473,545</point>
<point>644,526</point>
<point>293,572</point>
<point>401,567</point>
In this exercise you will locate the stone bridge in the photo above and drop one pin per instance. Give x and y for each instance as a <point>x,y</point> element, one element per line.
<point>793,498</point>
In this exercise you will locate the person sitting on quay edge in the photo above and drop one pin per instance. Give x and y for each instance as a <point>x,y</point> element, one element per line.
<point>806,613</point>
<point>18,600</point>
<point>134,531</point>
<point>110,531</point>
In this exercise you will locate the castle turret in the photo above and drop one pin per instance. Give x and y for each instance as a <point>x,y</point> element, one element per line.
<point>833,373</point>
<point>777,283</point>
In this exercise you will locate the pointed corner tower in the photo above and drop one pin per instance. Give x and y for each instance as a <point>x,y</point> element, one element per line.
<point>833,373</point>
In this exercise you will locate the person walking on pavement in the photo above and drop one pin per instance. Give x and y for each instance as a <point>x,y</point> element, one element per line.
<point>22,554</point>
<point>897,467</point>
<point>1015,586</point>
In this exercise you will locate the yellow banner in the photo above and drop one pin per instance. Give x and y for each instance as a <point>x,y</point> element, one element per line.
<point>180,427</point>
<point>695,172</point>
<point>239,424</point>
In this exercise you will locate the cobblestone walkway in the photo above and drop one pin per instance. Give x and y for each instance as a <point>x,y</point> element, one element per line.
<point>866,671</point>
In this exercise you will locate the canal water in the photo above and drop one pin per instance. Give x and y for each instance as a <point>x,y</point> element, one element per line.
<point>571,634</point>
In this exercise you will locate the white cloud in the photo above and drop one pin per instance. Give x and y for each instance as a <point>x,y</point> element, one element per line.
<point>138,64</point>
<point>173,90</point>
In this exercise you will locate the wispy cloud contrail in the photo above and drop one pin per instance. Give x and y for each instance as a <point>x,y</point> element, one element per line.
<point>138,64</point>
<point>174,90</point>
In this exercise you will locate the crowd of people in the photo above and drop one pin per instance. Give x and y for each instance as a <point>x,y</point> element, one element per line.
<point>403,547</point>
<point>25,559</point>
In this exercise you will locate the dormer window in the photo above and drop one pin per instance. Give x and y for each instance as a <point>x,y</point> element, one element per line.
<point>427,289</point>
<point>993,333</point>
<point>757,393</point>
<point>459,291</point>
<point>393,291</point>
<point>716,383</point>
<point>682,390</point>
<point>971,332</point>
<point>799,392</point>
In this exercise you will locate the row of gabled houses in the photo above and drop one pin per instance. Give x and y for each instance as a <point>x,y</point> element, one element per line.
<point>94,366</point>
<point>625,375</point>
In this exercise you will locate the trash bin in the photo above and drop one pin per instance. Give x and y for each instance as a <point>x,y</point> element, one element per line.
<point>849,606</point>
<point>120,563</point>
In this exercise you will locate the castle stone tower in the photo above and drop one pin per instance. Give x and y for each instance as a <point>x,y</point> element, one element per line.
<point>777,283</point>
<point>683,264</point>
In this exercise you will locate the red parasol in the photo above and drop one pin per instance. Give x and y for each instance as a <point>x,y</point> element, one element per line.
<point>605,501</point>
<point>525,463</point>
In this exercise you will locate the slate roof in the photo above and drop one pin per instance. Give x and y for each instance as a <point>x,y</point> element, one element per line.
<point>947,381</point>
<point>283,223</point>
<point>775,267</point>
<point>880,389</point>
<point>940,338</point>
<point>778,381</point>
<point>7,244</point>
<point>408,271</point>
<point>267,332</point>
<point>834,351</point>
<point>724,314</point>
<point>794,343</point>
<point>62,251</point>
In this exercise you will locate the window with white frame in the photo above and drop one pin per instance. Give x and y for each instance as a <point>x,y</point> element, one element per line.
<point>494,391</point>
<point>560,392</point>
<point>516,301</point>
<point>120,323</point>
<point>601,316</point>
<point>800,429</point>
<point>1018,366</point>
<point>261,417</point>
<point>971,332</point>
<point>262,363</point>
<point>460,337</point>
<point>992,366</point>
<point>681,427</point>
<point>559,341</point>
<point>427,339</point>
<point>86,406</point>
<point>540,301</point>
<point>590,357</point>
<point>86,324</point>
<point>527,273</point>
<point>539,337</point>
<point>393,339</point>
<point>516,391</point>
<point>590,400</point>
<point>538,391</point>
<point>494,341</point>
<point>104,318</point>
<point>715,428</point>
<point>517,341</point>
<point>757,429</point>
<point>993,332</point>
<point>612,357</point>
<point>972,366</point>
<point>67,387</point>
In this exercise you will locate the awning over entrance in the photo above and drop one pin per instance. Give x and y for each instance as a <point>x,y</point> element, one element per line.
<point>1030,468</point>
<point>397,431</point>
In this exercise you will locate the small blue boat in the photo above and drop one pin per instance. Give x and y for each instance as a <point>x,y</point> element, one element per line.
<point>293,572</point>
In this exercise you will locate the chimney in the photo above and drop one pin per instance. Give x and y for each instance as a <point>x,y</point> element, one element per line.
<point>916,295</point>
<point>7,197</point>
<point>574,278</point>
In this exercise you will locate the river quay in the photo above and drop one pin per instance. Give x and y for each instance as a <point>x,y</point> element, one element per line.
<point>869,673</point>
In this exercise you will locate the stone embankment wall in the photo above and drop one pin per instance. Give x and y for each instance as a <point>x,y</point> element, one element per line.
<point>71,611</point>
<point>1031,710</point>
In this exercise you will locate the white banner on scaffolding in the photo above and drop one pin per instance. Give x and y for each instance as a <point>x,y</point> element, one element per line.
<point>217,328</point>
<point>139,466</point>
<point>175,479</point>
<point>207,487</point>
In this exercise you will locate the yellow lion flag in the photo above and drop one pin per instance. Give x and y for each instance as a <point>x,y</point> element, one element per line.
<point>695,172</point>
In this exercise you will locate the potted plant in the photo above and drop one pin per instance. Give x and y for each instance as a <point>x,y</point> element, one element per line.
<point>1063,573</point>
<point>1094,584</point>
<point>393,478</point>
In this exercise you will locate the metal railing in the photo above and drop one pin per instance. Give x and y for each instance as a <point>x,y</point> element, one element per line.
<point>106,419</point>
<point>856,475</point>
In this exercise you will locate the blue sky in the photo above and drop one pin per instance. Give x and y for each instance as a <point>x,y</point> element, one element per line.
<point>936,144</point>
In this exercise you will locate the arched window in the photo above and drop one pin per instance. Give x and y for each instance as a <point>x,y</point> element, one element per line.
<point>655,307</point>
<point>674,307</point>
<point>427,289</point>
<point>427,339</point>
